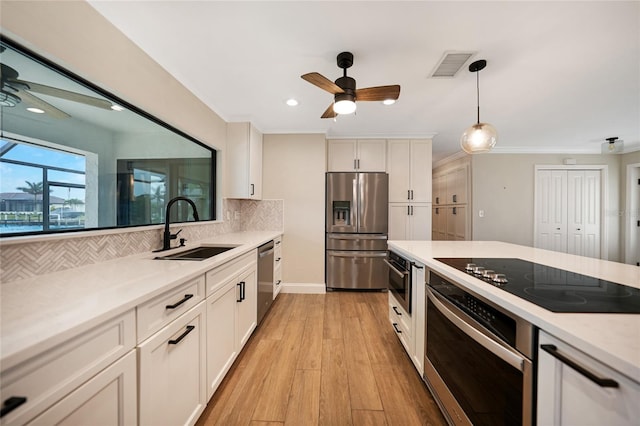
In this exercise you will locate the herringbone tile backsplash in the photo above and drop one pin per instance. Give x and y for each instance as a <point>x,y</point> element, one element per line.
<point>29,259</point>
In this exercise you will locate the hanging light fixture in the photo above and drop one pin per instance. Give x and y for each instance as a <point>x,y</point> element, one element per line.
<point>480,137</point>
<point>612,146</point>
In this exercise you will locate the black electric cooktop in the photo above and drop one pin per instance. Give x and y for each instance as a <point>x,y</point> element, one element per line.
<point>551,288</point>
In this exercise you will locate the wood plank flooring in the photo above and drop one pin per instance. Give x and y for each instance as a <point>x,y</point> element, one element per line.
<point>323,359</point>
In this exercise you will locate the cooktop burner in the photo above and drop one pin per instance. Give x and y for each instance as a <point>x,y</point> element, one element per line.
<point>551,288</point>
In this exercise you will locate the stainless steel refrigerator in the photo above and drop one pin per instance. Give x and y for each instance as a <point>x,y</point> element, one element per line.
<point>356,230</point>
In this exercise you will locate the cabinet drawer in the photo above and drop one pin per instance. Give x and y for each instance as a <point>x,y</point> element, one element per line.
<point>223,273</point>
<point>46,378</point>
<point>161,310</point>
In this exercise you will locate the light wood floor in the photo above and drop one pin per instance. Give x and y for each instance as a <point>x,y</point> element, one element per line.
<point>329,359</point>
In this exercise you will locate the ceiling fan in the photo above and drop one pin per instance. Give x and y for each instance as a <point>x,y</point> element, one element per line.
<point>13,91</point>
<point>345,92</point>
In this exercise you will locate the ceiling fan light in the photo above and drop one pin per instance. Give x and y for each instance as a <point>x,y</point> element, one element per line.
<point>389,101</point>
<point>344,104</point>
<point>479,138</point>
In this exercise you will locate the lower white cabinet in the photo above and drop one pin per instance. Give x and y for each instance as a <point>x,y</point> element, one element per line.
<point>409,221</point>
<point>569,392</point>
<point>277,267</point>
<point>107,399</point>
<point>172,372</point>
<point>231,315</point>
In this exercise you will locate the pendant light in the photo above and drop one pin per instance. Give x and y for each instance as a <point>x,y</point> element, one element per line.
<point>480,137</point>
<point>613,146</point>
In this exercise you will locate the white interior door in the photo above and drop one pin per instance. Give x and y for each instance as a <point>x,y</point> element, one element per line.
<point>632,234</point>
<point>583,227</point>
<point>551,206</point>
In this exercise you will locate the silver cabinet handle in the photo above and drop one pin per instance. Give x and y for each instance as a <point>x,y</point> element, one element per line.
<point>507,355</point>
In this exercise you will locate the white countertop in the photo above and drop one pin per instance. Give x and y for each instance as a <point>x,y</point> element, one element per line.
<point>614,339</point>
<point>40,312</point>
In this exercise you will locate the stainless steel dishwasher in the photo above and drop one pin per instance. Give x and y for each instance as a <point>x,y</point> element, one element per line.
<point>265,279</point>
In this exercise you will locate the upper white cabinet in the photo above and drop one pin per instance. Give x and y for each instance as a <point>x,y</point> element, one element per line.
<point>351,155</point>
<point>575,389</point>
<point>244,161</point>
<point>409,166</point>
<point>451,187</point>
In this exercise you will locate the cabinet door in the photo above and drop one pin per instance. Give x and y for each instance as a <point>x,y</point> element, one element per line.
<point>244,161</point>
<point>398,160</point>
<point>439,190</point>
<point>457,186</point>
<point>459,218</point>
<point>371,155</point>
<point>420,221</point>
<point>221,334</point>
<point>583,212</point>
<point>567,397</point>
<point>172,372</point>
<point>255,164</point>
<point>247,306</point>
<point>439,224</point>
<point>398,221</point>
<point>341,155</point>
<point>107,399</point>
<point>420,167</point>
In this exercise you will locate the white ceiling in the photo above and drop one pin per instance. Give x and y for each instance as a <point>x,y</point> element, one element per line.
<point>560,76</point>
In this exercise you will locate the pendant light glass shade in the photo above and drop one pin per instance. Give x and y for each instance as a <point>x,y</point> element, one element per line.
<point>480,137</point>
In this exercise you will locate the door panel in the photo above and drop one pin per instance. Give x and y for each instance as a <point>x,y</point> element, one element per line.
<point>342,202</point>
<point>373,198</point>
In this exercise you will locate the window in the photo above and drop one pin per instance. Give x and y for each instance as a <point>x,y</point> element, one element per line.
<point>74,157</point>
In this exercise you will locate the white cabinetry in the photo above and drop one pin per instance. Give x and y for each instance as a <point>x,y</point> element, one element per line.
<point>410,327</point>
<point>232,304</point>
<point>43,380</point>
<point>277,267</point>
<point>106,400</point>
<point>244,161</point>
<point>409,221</point>
<point>349,155</point>
<point>409,167</point>
<point>172,371</point>
<point>451,218</point>
<point>569,392</point>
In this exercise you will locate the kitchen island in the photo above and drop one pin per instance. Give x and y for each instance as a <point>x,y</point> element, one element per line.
<point>586,365</point>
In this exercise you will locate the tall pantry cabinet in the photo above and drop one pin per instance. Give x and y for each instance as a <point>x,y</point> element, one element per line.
<point>451,203</point>
<point>409,168</point>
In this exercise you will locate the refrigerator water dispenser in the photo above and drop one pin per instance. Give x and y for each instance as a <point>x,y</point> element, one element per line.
<point>342,212</point>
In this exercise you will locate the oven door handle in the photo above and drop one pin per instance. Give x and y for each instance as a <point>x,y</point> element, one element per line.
<point>507,355</point>
<point>396,270</point>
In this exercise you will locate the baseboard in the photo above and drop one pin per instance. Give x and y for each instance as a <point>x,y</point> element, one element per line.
<point>310,288</point>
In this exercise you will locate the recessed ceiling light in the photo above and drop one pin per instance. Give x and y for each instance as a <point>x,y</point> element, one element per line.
<point>389,101</point>
<point>117,107</point>
<point>292,102</point>
<point>36,110</point>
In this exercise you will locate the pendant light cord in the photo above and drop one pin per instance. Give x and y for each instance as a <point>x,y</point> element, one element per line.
<point>478,93</point>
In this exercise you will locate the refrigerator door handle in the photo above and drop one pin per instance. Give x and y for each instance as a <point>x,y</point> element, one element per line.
<point>351,237</point>
<point>358,254</point>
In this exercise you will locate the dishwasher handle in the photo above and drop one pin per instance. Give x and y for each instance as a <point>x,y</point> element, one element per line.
<point>264,253</point>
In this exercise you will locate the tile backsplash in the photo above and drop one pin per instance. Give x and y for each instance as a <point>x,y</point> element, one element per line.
<point>24,259</point>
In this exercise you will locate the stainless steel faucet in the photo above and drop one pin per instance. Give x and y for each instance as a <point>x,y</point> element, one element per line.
<point>168,236</point>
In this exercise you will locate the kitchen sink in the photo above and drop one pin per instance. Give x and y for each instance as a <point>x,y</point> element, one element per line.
<point>198,253</point>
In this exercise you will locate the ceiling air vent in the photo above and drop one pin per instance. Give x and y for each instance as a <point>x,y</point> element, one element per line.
<point>450,64</point>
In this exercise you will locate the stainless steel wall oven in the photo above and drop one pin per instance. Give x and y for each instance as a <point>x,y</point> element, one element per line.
<point>478,358</point>
<point>400,279</point>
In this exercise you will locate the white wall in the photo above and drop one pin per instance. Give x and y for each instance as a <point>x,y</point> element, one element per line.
<point>503,186</point>
<point>293,170</point>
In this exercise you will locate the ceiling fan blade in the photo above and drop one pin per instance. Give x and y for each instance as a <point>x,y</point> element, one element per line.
<point>39,103</point>
<point>329,112</point>
<point>379,93</point>
<point>322,82</point>
<point>65,94</point>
